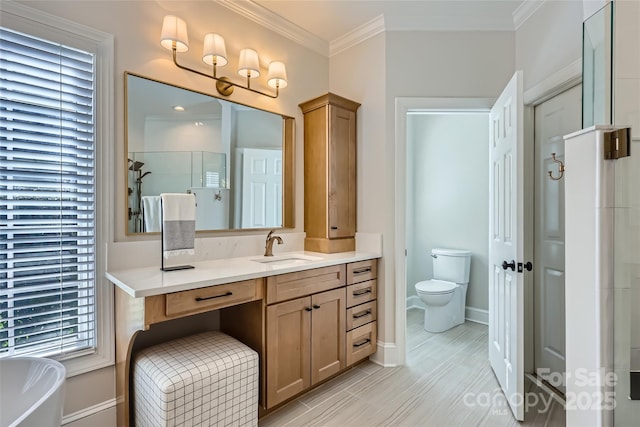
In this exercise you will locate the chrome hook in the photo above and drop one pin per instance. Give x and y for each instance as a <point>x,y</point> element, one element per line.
<point>560,168</point>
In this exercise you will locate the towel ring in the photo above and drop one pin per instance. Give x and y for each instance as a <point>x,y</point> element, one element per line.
<point>560,168</point>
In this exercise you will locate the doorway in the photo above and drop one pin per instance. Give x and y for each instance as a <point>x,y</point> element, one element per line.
<point>553,119</point>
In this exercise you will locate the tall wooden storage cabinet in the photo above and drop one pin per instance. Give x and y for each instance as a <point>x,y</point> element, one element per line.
<point>330,173</point>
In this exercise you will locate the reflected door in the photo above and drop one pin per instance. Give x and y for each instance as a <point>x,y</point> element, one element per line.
<point>554,118</point>
<point>261,188</point>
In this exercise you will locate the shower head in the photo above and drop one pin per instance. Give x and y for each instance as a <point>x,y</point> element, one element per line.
<point>142,176</point>
<point>135,165</point>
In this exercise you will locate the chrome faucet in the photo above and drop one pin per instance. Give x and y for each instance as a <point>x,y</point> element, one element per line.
<point>268,247</point>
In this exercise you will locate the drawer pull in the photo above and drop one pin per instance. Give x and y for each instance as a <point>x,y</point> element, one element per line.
<point>334,228</point>
<point>316,306</point>
<point>362,270</point>
<point>365,313</point>
<point>308,309</point>
<point>214,296</point>
<point>360,344</point>
<point>361,292</point>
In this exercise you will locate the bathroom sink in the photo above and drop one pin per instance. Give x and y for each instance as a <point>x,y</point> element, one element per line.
<point>32,390</point>
<point>288,260</point>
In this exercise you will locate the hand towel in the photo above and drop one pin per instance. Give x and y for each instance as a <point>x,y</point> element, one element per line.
<point>178,224</point>
<point>151,213</point>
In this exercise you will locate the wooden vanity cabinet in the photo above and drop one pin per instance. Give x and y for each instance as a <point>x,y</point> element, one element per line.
<point>330,173</point>
<point>361,325</point>
<point>306,335</point>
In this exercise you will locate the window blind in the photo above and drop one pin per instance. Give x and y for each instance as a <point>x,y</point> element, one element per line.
<point>47,198</point>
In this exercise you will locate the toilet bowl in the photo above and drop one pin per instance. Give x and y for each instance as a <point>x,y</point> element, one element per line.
<point>444,296</point>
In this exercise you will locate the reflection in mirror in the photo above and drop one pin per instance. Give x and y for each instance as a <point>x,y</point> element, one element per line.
<point>229,155</point>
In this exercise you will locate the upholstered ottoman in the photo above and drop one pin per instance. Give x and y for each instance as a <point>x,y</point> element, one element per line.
<point>205,379</point>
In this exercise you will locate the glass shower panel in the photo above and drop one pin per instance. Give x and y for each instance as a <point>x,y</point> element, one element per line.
<point>597,63</point>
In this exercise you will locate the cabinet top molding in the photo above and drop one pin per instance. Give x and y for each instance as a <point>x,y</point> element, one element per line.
<point>329,99</point>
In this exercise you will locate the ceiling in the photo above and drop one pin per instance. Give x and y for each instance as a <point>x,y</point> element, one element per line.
<point>332,26</point>
<point>332,19</point>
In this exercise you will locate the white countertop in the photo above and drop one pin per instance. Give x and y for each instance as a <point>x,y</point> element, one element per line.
<point>148,281</point>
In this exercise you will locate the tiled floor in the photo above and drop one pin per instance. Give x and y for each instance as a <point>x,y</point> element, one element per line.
<point>447,382</point>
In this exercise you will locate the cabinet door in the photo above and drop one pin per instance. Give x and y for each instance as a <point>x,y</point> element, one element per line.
<point>328,334</point>
<point>342,173</point>
<point>288,343</point>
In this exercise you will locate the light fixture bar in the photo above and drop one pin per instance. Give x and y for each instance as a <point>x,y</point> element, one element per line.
<point>223,84</point>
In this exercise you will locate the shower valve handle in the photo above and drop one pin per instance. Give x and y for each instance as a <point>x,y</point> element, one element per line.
<point>511,265</point>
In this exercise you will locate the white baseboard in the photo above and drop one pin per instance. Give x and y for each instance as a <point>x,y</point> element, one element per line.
<point>471,314</point>
<point>477,315</point>
<point>386,356</point>
<point>91,411</point>
<point>414,301</point>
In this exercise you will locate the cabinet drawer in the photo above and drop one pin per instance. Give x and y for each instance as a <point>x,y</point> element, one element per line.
<point>212,297</point>
<point>361,293</point>
<point>361,342</point>
<point>301,283</point>
<point>361,315</point>
<point>362,271</point>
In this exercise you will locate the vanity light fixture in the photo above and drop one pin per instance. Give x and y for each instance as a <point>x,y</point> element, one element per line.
<point>174,37</point>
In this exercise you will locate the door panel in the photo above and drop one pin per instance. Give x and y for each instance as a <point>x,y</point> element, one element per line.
<point>288,338</point>
<point>328,332</point>
<point>553,119</point>
<point>342,173</point>
<point>506,223</point>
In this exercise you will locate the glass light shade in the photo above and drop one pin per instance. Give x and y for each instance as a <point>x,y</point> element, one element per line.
<point>248,64</point>
<point>277,76</point>
<point>174,29</point>
<point>214,49</point>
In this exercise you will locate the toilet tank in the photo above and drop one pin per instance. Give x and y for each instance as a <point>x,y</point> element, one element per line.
<point>451,265</point>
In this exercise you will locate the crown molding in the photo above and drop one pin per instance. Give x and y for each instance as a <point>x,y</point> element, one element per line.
<point>277,24</point>
<point>357,35</point>
<point>526,9</point>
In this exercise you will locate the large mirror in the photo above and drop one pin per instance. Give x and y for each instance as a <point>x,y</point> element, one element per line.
<point>236,160</point>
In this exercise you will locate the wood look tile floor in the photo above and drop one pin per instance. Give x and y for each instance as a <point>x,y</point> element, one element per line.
<point>446,382</point>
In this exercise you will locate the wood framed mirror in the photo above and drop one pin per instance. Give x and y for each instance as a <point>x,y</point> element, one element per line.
<point>236,159</point>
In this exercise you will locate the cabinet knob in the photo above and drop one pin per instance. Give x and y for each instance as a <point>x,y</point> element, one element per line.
<point>316,306</point>
<point>308,309</point>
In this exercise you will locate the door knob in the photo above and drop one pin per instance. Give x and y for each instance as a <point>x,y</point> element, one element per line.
<point>526,266</point>
<point>511,265</point>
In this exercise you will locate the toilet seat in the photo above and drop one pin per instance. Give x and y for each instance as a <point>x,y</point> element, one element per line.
<point>436,287</point>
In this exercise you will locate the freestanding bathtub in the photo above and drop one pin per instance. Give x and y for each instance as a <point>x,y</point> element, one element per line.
<point>31,392</point>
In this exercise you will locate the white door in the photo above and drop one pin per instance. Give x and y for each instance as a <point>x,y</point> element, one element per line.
<point>261,188</point>
<point>506,235</point>
<point>553,118</point>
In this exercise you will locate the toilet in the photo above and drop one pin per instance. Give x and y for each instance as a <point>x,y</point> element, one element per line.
<point>445,295</point>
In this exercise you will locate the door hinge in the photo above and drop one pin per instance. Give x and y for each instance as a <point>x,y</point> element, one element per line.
<point>617,144</point>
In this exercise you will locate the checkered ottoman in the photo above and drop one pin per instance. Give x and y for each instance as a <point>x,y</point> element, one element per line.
<point>205,379</point>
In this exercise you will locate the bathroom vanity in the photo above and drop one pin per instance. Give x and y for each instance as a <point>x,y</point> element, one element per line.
<point>308,315</point>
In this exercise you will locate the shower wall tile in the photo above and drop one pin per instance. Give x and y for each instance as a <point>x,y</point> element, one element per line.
<point>622,328</point>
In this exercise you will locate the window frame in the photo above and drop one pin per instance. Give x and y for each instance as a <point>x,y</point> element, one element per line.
<point>40,24</point>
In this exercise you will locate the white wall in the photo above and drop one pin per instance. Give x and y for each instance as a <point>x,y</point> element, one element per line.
<point>549,40</point>
<point>449,167</point>
<point>627,209</point>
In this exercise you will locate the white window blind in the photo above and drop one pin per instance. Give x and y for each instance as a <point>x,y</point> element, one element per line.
<point>47,198</point>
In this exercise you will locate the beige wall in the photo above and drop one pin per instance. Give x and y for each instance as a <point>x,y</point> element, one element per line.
<point>136,28</point>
